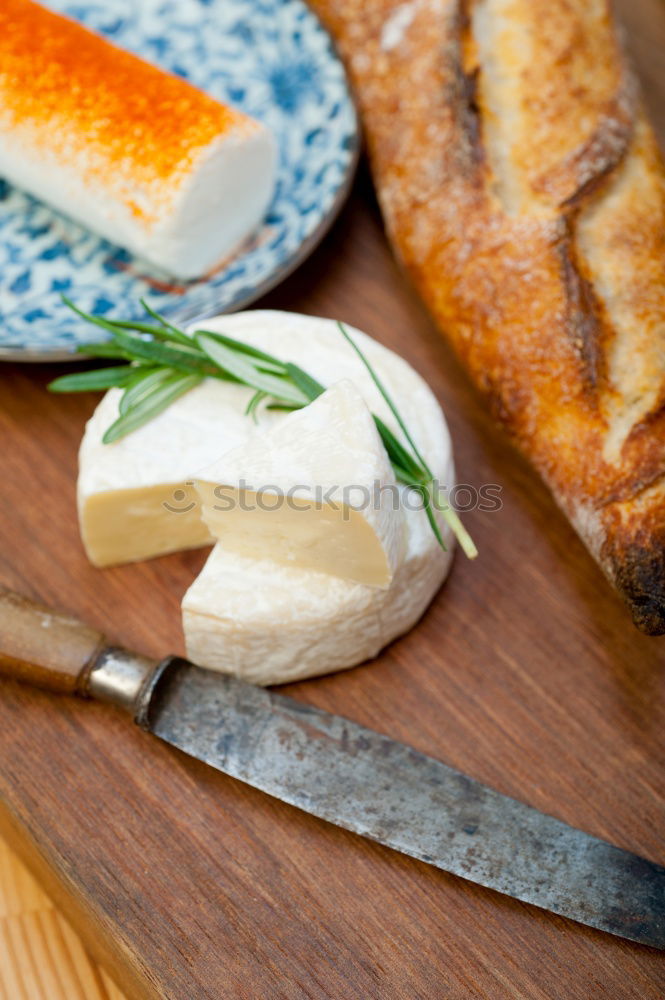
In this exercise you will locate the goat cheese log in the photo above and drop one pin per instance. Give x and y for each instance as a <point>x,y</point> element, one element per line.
<point>136,154</point>
<point>523,189</point>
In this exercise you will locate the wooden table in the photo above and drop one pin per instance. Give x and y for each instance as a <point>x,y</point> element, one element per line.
<point>526,673</point>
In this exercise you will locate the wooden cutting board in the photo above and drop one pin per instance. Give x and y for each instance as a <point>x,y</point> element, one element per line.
<point>526,673</point>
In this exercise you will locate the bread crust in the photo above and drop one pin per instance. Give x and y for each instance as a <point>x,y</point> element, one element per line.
<point>523,189</point>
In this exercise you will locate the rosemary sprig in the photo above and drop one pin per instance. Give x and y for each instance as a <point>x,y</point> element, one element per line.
<point>101,378</point>
<point>419,475</point>
<point>164,362</point>
<point>166,391</point>
<point>242,368</point>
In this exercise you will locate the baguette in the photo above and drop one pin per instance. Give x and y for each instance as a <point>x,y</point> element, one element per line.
<point>137,154</point>
<point>523,189</point>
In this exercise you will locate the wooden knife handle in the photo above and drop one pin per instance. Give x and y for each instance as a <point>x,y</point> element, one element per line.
<point>43,647</point>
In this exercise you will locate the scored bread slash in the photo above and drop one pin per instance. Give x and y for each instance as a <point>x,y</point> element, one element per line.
<point>315,492</point>
<point>137,154</point>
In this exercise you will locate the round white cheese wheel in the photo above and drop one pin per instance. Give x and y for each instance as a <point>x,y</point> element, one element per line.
<point>266,622</point>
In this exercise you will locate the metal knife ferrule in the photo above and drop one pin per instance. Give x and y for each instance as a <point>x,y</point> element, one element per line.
<point>127,680</point>
<point>119,677</point>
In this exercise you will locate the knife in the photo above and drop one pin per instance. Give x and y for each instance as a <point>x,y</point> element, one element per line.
<point>344,773</point>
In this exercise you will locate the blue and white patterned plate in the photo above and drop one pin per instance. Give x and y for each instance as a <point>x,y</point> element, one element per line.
<point>272,59</point>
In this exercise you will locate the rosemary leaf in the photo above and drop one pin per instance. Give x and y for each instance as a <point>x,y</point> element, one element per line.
<point>253,404</point>
<point>268,362</point>
<point>402,476</point>
<point>169,355</point>
<point>431,517</point>
<point>116,326</point>
<point>92,381</point>
<point>399,456</point>
<point>154,331</point>
<point>307,385</point>
<point>454,522</point>
<point>384,392</point>
<point>142,386</point>
<point>167,392</point>
<point>244,371</point>
<point>104,324</point>
<point>107,349</point>
<point>176,333</point>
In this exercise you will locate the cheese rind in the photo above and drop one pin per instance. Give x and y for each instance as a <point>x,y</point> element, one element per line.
<point>316,491</point>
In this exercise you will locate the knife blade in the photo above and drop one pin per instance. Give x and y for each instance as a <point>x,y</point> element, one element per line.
<point>346,774</point>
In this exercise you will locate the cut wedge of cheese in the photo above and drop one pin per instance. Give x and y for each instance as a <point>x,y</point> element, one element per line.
<point>316,491</point>
<point>270,624</point>
<point>136,154</point>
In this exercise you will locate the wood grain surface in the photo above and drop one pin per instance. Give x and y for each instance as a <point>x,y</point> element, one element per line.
<point>41,958</point>
<point>525,673</point>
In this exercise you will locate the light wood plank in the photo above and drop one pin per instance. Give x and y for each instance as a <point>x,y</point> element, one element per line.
<point>41,957</point>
